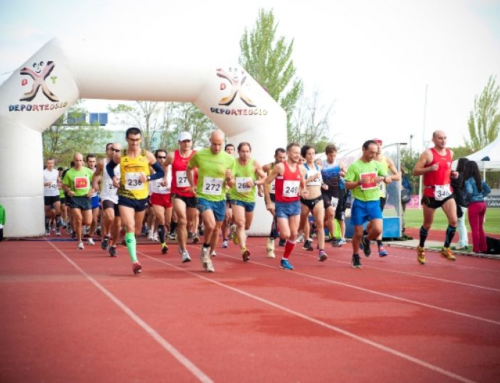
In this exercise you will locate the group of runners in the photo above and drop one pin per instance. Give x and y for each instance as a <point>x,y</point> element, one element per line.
<point>217,188</point>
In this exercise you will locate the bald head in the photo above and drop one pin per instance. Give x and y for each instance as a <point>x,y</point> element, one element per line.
<point>217,139</point>
<point>439,139</point>
<point>78,160</point>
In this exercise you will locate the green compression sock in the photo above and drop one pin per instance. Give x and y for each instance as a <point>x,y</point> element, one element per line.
<point>131,246</point>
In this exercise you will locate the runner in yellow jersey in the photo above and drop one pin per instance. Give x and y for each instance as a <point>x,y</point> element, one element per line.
<point>242,194</point>
<point>132,187</point>
<point>215,171</point>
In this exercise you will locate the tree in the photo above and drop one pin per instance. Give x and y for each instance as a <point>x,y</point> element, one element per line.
<point>147,116</point>
<point>310,123</point>
<point>70,134</point>
<point>267,59</point>
<point>484,119</point>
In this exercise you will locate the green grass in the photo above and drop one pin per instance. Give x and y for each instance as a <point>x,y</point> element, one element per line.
<point>414,219</point>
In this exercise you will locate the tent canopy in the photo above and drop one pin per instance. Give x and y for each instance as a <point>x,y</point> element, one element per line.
<point>491,151</point>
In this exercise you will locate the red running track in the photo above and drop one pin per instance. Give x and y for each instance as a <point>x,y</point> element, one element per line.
<point>79,316</point>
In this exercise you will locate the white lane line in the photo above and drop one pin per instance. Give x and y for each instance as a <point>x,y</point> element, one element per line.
<point>190,366</point>
<point>321,323</point>
<point>295,272</point>
<point>407,273</point>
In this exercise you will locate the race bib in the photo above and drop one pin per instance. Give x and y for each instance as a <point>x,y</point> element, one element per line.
<point>159,188</point>
<point>212,186</point>
<point>335,202</point>
<point>81,183</point>
<point>368,181</point>
<point>241,184</point>
<point>291,188</point>
<point>52,186</point>
<point>181,178</point>
<point>442,192</point>
<point>133,181</point>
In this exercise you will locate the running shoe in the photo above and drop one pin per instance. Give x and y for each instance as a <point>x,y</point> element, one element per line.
<point>381,251</point>
<point>150,235</point>
<point>80,246</point>
<point>90,241</point>
<point>245,254</point>
<point>68,229</point>
<point>201,229</point>
<point>342,241</point>
<point>225,244</point>
<point>214,254</point>
<point>58,232</point>
<point>112,251</point>
<point>336,243</point>
<point>47,232</point>
<point>190,235</point>
<point>300,238</point>
<point>136,268</point>
<point>421,255</point>
<point>204,257</point>
<point>282,242</point>
<point>172,236</point>
<point>196,239</point>
<point>155,237</point>
<point>105,243</point>
<point>185,257</point>
<point>448,254</point>
<point>308,246</point>
<point>366,246</point>
<point>356,262</point>
<point>322,256</point>
<point>270,248</point>
<point>164,248</point>
<point>284,264</point>
<point>232,233</point>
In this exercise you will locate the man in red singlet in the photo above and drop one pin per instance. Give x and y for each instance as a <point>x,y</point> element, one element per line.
<point>183,199</point>
<point>435,165</point>
<point>289,186</point>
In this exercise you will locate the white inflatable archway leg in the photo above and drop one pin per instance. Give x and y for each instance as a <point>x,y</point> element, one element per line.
<point>65,70</point>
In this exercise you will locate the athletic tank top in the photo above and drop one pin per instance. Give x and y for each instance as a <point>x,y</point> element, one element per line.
<point>243,174</point>
<point>437,183</point>
<point>50,178</point>
<point>331,177</point>
<point>180,184</point>
<point>108,191</point>
<point>287,185</point>
<point>311,173</point>
<point>130,170</point>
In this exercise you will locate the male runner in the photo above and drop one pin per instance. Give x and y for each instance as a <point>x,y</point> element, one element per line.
<point>435,165</point>
<point>132,187</point>
<point>91,161</point>
<point>51,196</point>
<point>228,228</point>
<point>215,171</point>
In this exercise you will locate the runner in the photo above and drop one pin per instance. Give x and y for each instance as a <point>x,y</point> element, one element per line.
<point>132,187</point>
<point>62,198</point>
<point>242,194</point>
<point>77,184</point>
<point>215,171</point>
<point>183,200</point>
<point>288,189</point>
<point>51,184</point>
<point>269,190</point>
<point>435,165</point>
<point>333,170</point>
<point>363,178</point>
<point>111,222</point>
<point>160,200</point>
<point>313,203</point>
<point>228,228</point>
<point>91,161</point>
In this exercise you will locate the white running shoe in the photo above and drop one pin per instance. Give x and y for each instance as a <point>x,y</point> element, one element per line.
<point>185,257</point>
<point>90,241</point>
<point>155,237</point>
<point>80,246</point>
<point>204,257</point>
<point>150,235</point>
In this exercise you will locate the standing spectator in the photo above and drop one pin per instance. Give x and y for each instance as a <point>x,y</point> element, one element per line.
<point>2,221</point>
<point>475,191</point>
<point>458,194</point>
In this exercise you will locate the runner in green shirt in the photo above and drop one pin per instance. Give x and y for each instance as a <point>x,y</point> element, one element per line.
<point>77,184</point>
<point>363,178</point>
<point>242,194</point>
<point>215,171</point>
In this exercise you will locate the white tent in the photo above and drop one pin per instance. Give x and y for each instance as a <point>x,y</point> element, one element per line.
<point>491,151</point>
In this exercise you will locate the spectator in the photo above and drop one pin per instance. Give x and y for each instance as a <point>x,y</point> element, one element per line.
<point>458,194</point>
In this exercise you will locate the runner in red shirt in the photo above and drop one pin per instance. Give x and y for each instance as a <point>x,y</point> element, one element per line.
<point>289,186</point>
<point>435,165</point>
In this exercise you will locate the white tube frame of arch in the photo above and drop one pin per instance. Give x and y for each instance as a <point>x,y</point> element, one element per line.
<point>100,70</point>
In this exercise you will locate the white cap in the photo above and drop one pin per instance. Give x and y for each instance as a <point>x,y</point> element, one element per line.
<point>183,136</point>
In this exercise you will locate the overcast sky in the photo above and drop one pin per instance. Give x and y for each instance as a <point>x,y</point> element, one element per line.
<point>371,59</point>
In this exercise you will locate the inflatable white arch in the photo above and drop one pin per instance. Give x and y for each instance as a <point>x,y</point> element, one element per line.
<point>65,70</point>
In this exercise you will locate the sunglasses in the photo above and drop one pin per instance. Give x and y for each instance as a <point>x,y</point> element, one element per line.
<point>115,150</point>
<point>161,157</point>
